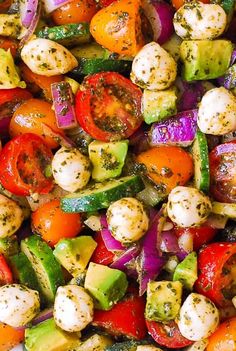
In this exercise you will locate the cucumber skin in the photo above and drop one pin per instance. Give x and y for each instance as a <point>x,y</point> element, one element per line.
<point>102,199</point>
<point>95,65</point>
<point>37,247</point>
<point>204,182</point>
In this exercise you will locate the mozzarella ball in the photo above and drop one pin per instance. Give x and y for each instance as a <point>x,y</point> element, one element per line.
<point>48,58</point>
<point>11,216</point>
<point>73,308</point>
<point>127,220</point>
<point>198,317</point>
<point>217,112</point>
<point>188,207</point>
<point>198,345</point>
<point>71,169</point>
<point>18,304</point>
<point>153,68</point>
<point>147,348</point>
<point>199,21</point>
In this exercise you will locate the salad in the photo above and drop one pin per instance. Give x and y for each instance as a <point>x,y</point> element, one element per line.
<point>117,175</point>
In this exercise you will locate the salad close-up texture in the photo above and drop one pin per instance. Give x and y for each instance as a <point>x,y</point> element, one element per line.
<point>117,175</point>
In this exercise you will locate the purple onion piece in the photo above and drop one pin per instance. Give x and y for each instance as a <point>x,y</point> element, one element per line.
<point>139,141</point>
<point>169,241</point>
<point>125,262</point>
<point>190,94</point>
<point>233,57</point>
<point>24,231</point>
<point>32,26</point>
<point>178,130</point>
<point>28,9</point>
<point>43,316</point>
<point>4,126</point>
<point>229,79</point>
<point>110,242</point>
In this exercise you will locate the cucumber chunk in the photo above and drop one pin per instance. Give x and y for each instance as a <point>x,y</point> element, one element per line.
<point>201,162</point>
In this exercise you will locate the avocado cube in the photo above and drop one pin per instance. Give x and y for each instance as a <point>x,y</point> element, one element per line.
<point>106,285</point>
<point>107,158</point>
<point>163,300</point>
<point>205,59</point>
<point>186,271</point>
<point>74,254</point>
<point>47,336</point>
<point>9,246</point>
<point>158,105</point>
<point>95,342</point>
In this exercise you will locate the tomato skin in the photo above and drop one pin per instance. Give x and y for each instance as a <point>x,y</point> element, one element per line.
<point>167,166</point>
<point>20,161</point>
<point>224,338</point>
<point>75,11</point>
<point>105,3</point>
<point>10,337</point>
<point>7,43</point>
<point>4,5</point>
<point>211,281</point>
<point>222,161</point>
<point>201,235</point>
<point>53,224</point>
<point>5,272</point>
<point>101,255</point>
<point>169,337</point>
<point>178,3</point>
<point>97,97</point>
<point>16,94</point>
<point>30,115</point>
<point>125,318</point>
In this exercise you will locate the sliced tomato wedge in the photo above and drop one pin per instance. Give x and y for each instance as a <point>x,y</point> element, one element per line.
<point>109,106</point>
<point>5,272</point>
<point>16,94</point>
<point>217,273</point>
<point>23,161</point>
<point>222,160</point>
<point>101,255</point>
<point>167,334</point>
<point>201,235</point>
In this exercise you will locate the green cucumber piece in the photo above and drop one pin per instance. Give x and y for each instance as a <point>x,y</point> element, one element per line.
<point>23,271</point>
<point>130,345</point>
<point>201,162</point>
<point>101,195</point>
<point>67,34</point>
<point>93,58</point>
<point>45,265</point>
<point>228,5</point>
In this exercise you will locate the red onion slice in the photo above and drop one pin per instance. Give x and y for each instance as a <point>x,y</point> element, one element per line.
<point>63,105</point>
<point>28,8</point>
<point>122,262</point>
<point>29,32</point>
<point>51,5</point>
<point>43,316</point>
<point>110,242</point>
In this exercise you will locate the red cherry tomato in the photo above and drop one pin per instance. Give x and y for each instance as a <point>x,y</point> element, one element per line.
<point>16,94</point>
<point>167,334</point>
<point>216,280</point>
<point>201,235</point>
<point>101,255</point>
<point>222,161</point>
<point>125,318</point>
<point>5,272</point>
<point>224,338</point>
<point>109,106</point>
<point>23,161</point>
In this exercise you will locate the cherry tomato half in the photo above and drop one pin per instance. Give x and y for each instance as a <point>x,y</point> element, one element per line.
<point>224,338</point>
<point>53,224</point>
<point>23,161</point>
<point>201,235</point>
<point>167,334</point>
<point>216,279</point>
<point>109,106</point>
<point>5,272</point>
<point>101,255</point>
<point>222,160</point>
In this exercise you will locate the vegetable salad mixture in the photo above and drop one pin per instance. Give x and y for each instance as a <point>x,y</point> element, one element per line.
<point>117,175</point>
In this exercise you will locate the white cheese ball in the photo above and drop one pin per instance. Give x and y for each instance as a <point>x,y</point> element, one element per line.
<point>48,58</point>
<point>11,216</point>
<point>217,112</point>
<point>127,220</point>
<point>18,304</point>
<point>198,345</point>
<point>147,348</point>
<point>198,317</point>
<point>153,68</point>
<point>73,308</point>
<point>188,207</point>
<point>71,169</point>
<point>199,21</point>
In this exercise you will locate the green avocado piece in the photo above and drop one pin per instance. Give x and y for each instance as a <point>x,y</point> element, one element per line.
<point>158,105</point>
<point>9,77</point>
<point>106,285</point>
<point>107,158</point>
<point>186,271</point>
<point>205,59</point>
<point>95,342</point>
<point>47,336</point>
<point>163,300</point>
<point>9,246</point>
<point>74,254</point>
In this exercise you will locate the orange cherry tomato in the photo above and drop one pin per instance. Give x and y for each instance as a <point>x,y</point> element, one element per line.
<point>29,118</point>
<point>117,27</point>
<point>9,337</point>
<point>178,3</point>
<point>53,224</point>
<point>75,11</point>
<point>167,166</point>
<point>7,43</point>
<point>40,81</point>
<point>224,338</point>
